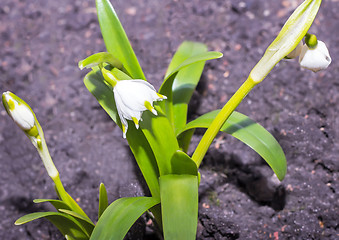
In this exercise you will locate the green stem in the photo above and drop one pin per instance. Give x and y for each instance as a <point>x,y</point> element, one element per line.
<point>52,171</point>
<point>60,188</point>
<point>156,211</point>
<point>220,119</point>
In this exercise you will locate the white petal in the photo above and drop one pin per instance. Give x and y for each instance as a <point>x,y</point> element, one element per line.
<point>21,114</point>
<point>133,94</point>
<point>23,117</point>
<point>130,98</point>
<point>315,59</point>
<point>124,109</point>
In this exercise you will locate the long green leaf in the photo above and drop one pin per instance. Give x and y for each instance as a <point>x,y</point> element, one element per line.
<point>86,223</point>
<point>76,208</point>
<point>183,164</point>
<point>186,80</point>
<point>166,87</point>
<point>56,203</point>
<point>62,207</point>
<point>100,58</point>
<point>120,216</point>
<point>71,203</point>
<point>179,205</point>
<point>116,40</point>
<point>136,139</point>
<point>103,201</point>
<point>251,133</point>
<point>161,137</point>
<point>65,223</point>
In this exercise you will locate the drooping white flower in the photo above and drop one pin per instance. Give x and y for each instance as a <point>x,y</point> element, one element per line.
<point>315,59</point>
<point>18,111</point>
<point>132,97</point>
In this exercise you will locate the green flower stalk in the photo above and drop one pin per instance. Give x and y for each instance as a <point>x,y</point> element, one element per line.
<point>24,117</point>
<point>287,40</point>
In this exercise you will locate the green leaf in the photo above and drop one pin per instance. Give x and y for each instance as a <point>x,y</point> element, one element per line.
<point>56,203</point>
<point>76,208</point>
<point>76,215</point>
<point>160,135</point>
<point>66,224</point>
<point>120,216</point>
<point>69,201</point>
<point>116,40</point>
<point>62,207</point>
<point>103,201</point>
<point>141,149</point>
<point>167,85</point>
<point>69,237</point>
<point>185,80</point>
<point>251,133</point>
<point>179,204</point>
<point>183,164</point>
<point>86,223</point>
<point>100,58</point>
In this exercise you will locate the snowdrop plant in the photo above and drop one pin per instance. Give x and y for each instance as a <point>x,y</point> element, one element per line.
<point>70,219</point>
<point>155,126</point>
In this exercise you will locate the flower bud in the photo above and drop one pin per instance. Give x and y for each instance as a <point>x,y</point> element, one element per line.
<point>315,59</point>
<point>19,111</point>
<point>24,117</point>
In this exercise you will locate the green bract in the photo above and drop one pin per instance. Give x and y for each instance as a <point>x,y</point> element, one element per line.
<point>158,138</point>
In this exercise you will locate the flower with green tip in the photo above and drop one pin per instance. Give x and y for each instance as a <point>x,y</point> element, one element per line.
<point>316,58</point>
<point>132,97</point>
<point>18,111</point>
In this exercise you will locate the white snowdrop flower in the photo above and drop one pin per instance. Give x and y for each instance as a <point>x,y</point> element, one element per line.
<point>315,59</point>
<point>132,97</point>
<point>18,111</point>
<point>296,52</point>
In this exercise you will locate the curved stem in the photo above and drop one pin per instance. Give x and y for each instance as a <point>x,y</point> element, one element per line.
<point>220,119</point>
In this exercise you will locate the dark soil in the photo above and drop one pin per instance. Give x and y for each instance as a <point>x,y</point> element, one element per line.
<point>41,43</point>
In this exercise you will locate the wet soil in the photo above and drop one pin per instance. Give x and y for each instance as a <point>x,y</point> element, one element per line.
<point>41,43</point>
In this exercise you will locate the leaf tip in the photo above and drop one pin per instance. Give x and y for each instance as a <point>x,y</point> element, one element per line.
<point>80,64</point>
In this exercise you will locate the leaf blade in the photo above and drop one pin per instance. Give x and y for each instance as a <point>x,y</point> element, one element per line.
<point>120,216</point>
<point>185,80</point>
<point>252,134</point>
<point>103,201</point>
<point>166,87</point>
<point>116,40</point>
<point>65,224</point>
<point>56,203</point>
<point>179,205</point>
